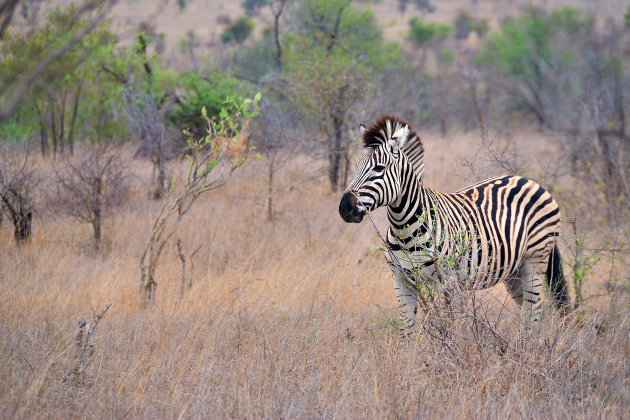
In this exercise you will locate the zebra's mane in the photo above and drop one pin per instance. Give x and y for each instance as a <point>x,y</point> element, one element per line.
<point>382,129</point>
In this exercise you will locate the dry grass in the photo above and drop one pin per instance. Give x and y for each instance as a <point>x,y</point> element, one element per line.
<point>290,319</point>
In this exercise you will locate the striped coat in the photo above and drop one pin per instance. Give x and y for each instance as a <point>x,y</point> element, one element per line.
<point>502,229</point>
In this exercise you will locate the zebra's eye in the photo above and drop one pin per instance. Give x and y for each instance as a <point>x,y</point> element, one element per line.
<point>378,169</point>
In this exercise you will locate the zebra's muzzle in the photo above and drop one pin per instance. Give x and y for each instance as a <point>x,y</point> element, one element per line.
<point>350,209</point>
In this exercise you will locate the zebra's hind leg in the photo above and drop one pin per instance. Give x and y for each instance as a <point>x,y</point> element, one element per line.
<point>526,288</point>
<point>407,303</point>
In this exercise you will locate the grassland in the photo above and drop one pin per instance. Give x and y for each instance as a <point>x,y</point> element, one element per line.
<point>289,319</point>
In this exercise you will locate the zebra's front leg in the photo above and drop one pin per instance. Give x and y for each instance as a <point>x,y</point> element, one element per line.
<point>407,303</point>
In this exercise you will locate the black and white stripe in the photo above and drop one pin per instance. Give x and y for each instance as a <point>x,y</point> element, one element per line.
<point>501,229</point>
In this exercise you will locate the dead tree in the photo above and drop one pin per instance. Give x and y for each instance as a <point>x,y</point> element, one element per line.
<point>208,168</point>
<point>17,183</point>
<point>271,135</point>
<point>89,189</point>
<point>147,115</point>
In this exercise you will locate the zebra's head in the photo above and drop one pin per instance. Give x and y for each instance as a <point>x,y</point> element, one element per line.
<point>378,176</point>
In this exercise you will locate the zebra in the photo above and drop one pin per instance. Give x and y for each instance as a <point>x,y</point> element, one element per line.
<point>509,224</point>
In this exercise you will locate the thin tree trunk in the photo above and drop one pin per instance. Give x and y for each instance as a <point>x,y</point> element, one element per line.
<point>43,135</point>
<point>618,98</point>
<point>62,122</point>
<point>21,216</point>
<point>23,226</point>
<point>96,224</point>
<point>482,125</point>
<point>53,127</point>
<point>97,215</point>
<point>346,169</point>
<point>276,31</point>
<point>6,14</point>
<point>159,189</point>
<point>75,111</point>
<point>270,187</point>
<point>337,152</point>
<point>186,283</point>
<point>442,105</point>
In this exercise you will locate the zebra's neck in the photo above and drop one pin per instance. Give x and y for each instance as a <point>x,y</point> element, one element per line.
<point>413,202</point>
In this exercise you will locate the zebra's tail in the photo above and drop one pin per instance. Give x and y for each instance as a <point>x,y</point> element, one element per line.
<point>556,282</point>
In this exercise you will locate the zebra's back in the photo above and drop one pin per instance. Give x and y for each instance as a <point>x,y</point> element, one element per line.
<point>489,227</point>
<point>515,219</point>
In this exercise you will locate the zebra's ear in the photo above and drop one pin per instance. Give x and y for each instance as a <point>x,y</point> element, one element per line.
<point>362,128</point>
<point>399,138</point>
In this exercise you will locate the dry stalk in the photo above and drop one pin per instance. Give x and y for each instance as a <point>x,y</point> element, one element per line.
<point>208,168</point>
<point>84,347</point>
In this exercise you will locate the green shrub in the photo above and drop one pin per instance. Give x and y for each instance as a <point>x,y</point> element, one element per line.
<point>239,31</point>
<point>200,91</point>
<point>422,32</point>
<point>252,6</point>
<point>465,24</point>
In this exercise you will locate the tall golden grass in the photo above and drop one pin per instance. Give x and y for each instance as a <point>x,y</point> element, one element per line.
<point>287,319</point>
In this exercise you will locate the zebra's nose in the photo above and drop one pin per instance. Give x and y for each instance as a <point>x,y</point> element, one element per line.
<point>348,209</point>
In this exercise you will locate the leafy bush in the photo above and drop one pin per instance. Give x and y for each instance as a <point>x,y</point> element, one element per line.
<point>252,6</point>
<point>239,31</point>
<point>422,32</point>
<point>258,59</point>
<point>465,24</point>
<point>203,91</point>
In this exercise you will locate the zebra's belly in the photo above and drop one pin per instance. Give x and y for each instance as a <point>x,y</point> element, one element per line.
<point>428,267</point>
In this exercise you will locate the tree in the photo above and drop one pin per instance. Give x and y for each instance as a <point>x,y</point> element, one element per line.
<point>91,188</point>
<point>17,183</point>
<point>271,135</point>
<point>15,83</point>
<point>327,64</point>
<point>54,101</point>
<point>571,75</point>
<point>424,34</point>
<point>276,9</point>
<point>29,10</point>
<point>208,168</point>
<point>531,55</point>
<point>148,104</point>
<point>239,31</point>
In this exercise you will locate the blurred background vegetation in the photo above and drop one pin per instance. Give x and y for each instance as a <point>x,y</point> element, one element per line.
<point>329,64</point>
<point>103,73</point>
